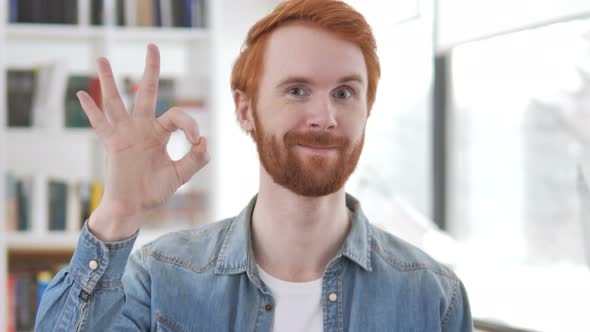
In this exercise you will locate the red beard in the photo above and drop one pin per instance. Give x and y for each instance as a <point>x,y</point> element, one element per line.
<point>312,176</point>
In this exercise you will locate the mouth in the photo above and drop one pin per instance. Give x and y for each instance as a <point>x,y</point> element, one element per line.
<point>318,150</point>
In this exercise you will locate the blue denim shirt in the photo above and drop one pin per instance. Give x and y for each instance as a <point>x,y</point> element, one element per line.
<point>205,279</point>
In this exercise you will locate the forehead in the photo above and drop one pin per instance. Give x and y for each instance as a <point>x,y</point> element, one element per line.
<point>302,50</point>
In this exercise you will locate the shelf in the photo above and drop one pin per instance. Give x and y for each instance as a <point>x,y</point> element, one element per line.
<point>157,34</point>
<point>55,31</point>
<point>42,243</point>
<point>89,33</point>
<point>68,133</point>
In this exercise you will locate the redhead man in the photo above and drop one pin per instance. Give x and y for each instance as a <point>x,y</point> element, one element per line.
<point>301,256</point>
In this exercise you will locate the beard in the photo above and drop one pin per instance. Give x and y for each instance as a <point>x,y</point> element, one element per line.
<point>307,175</point>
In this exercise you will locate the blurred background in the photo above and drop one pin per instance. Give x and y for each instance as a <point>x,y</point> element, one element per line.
<point>473,149</point>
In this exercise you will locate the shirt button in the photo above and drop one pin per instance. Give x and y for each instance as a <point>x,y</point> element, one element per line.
<point>332,297</point>
<point>268,307</point>
<point>93,265</point>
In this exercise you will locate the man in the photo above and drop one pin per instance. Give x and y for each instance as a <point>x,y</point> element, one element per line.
<point>301,256</point>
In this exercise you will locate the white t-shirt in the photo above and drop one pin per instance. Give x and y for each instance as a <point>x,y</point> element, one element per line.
<point>297,304</point>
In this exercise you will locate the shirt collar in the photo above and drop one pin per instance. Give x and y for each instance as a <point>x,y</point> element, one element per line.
<point>236,254</point>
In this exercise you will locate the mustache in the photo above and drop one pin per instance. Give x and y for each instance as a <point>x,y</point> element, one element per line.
<point>316,140</point>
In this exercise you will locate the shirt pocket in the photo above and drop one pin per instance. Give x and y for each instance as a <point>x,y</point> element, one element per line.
<point>167,324</point>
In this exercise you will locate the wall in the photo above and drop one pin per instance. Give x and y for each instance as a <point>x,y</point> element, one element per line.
<point>396,160</point>
<point>463,20</point>
<point>234,159</point>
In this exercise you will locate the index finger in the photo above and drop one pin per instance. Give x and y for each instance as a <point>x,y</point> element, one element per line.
<point>113,105</point>
<point>145,103</point>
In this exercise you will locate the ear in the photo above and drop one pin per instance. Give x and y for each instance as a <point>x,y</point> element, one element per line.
<point>244,110</point>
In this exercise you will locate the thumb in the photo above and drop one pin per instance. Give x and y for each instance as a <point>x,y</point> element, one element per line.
<point>193,160</point>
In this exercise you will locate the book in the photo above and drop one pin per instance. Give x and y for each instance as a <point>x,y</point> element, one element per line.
<point>13,18</point>
<point>70,12</point>
<point>24,289</point>
<point>145,13</point>
<point>166,93</point>
<point>94,91</point>
<point>26,294</point>
<point>131,12</point>
<point>24,11</point>
<point>11,303</point>
<point>178,13</point>
<point>166,13</point>
<point>96,191</point>
<point>45,11</point>
<point>11,203</point>
<point>74,113</point>
<point>187,19</point>
<point>198,13</point>
<point>20,90</point>
<point>51,10</point>
<point>58,195</point>
<point>157,4</point>
<point>74,206</point>
<point>97,12</point>
<point>84,189</point>
<point>43,279</point>
<point>24,193</point>
<point>183,209</point>
<point>49,93</point>
<point>120,13</point>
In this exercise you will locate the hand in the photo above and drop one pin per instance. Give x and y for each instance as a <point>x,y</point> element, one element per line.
<point>140,174</point>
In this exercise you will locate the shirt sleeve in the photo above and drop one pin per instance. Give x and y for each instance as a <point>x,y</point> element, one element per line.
<point>458,315</point>
<point>88,294</point>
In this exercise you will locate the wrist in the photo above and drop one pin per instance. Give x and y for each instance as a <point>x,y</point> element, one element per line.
<point>110,228</point>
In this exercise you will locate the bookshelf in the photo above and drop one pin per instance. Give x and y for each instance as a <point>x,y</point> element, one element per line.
<point>3,250</point>
<point>197,58</point>
<point>204,55</point>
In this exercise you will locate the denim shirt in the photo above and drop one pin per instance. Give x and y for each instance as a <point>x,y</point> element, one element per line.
<point>205,279</point>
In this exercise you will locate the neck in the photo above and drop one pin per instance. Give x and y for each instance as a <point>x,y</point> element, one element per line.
<point>294,237</point>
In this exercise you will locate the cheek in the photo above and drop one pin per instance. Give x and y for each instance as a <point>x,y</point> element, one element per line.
<point>353,124</point>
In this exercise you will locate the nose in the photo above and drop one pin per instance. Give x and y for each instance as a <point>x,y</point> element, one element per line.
<point>321,115</point>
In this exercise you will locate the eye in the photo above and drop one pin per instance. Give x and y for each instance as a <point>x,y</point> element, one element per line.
<point>296,91</point>
<point>343,93</point>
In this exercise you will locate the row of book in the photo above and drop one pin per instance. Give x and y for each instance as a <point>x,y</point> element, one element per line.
<point>37,96</point>
<point>161,13</point>
<point>183,210</point>
<point>24,291</point>
<point>44,11</point>
<point>69,203</point>
<point>25,287</point>
<point>147,13</point>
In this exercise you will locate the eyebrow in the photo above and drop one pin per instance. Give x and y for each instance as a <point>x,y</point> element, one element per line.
<point>303,80</point>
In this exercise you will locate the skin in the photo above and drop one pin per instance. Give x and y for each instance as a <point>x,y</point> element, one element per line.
<point>140,175</point>
<point>294,237</point>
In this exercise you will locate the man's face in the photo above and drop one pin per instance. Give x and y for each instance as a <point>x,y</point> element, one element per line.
<point>311,109</point>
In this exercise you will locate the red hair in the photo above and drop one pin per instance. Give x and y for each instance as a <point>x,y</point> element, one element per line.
<point>334,16</point>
